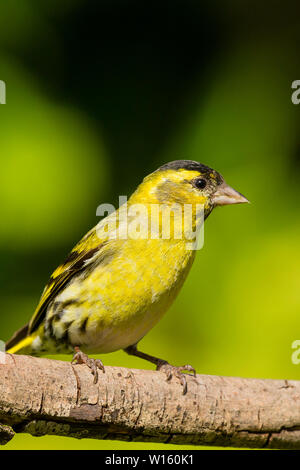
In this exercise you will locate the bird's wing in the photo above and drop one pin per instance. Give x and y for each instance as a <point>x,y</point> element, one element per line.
<point>82,255</point>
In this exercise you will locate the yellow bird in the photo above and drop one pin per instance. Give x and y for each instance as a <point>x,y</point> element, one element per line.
<point>125,273</point>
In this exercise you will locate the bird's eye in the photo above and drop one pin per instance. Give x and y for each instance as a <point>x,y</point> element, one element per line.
<point>200,183</point>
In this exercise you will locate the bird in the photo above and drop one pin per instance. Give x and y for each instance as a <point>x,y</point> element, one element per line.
<point>114,287</point>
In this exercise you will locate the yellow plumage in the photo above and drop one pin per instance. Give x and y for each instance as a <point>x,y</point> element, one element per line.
<point>111,291</point>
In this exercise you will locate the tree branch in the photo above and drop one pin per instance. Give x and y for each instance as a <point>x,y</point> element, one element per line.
<point>43,396</point>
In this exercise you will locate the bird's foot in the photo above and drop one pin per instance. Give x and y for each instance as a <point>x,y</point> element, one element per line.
<point>176,371</point>
<point>94,364</point>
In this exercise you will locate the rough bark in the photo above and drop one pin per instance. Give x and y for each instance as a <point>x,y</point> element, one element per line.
<point>43,396</point>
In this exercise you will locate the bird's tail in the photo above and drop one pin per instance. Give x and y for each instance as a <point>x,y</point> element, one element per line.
<point>19,342</point>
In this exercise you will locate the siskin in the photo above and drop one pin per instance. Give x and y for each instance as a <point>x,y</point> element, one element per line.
<point>111,290</point>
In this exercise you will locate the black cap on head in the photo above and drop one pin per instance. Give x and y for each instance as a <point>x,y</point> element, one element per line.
<point>191,166</point>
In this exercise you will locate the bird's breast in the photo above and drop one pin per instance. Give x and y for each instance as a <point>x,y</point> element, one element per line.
<point>120,302</point>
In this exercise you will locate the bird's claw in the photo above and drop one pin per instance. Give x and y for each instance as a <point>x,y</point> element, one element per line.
<point>176,371</point>
<point>94,364</point>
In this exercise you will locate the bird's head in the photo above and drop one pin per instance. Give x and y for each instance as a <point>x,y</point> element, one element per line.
<point>188,182</point>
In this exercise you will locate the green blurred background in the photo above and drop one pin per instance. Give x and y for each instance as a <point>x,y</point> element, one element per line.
<point>99,94</point>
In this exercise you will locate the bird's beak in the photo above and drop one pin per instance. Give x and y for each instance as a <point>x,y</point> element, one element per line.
<point>225,194</point>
